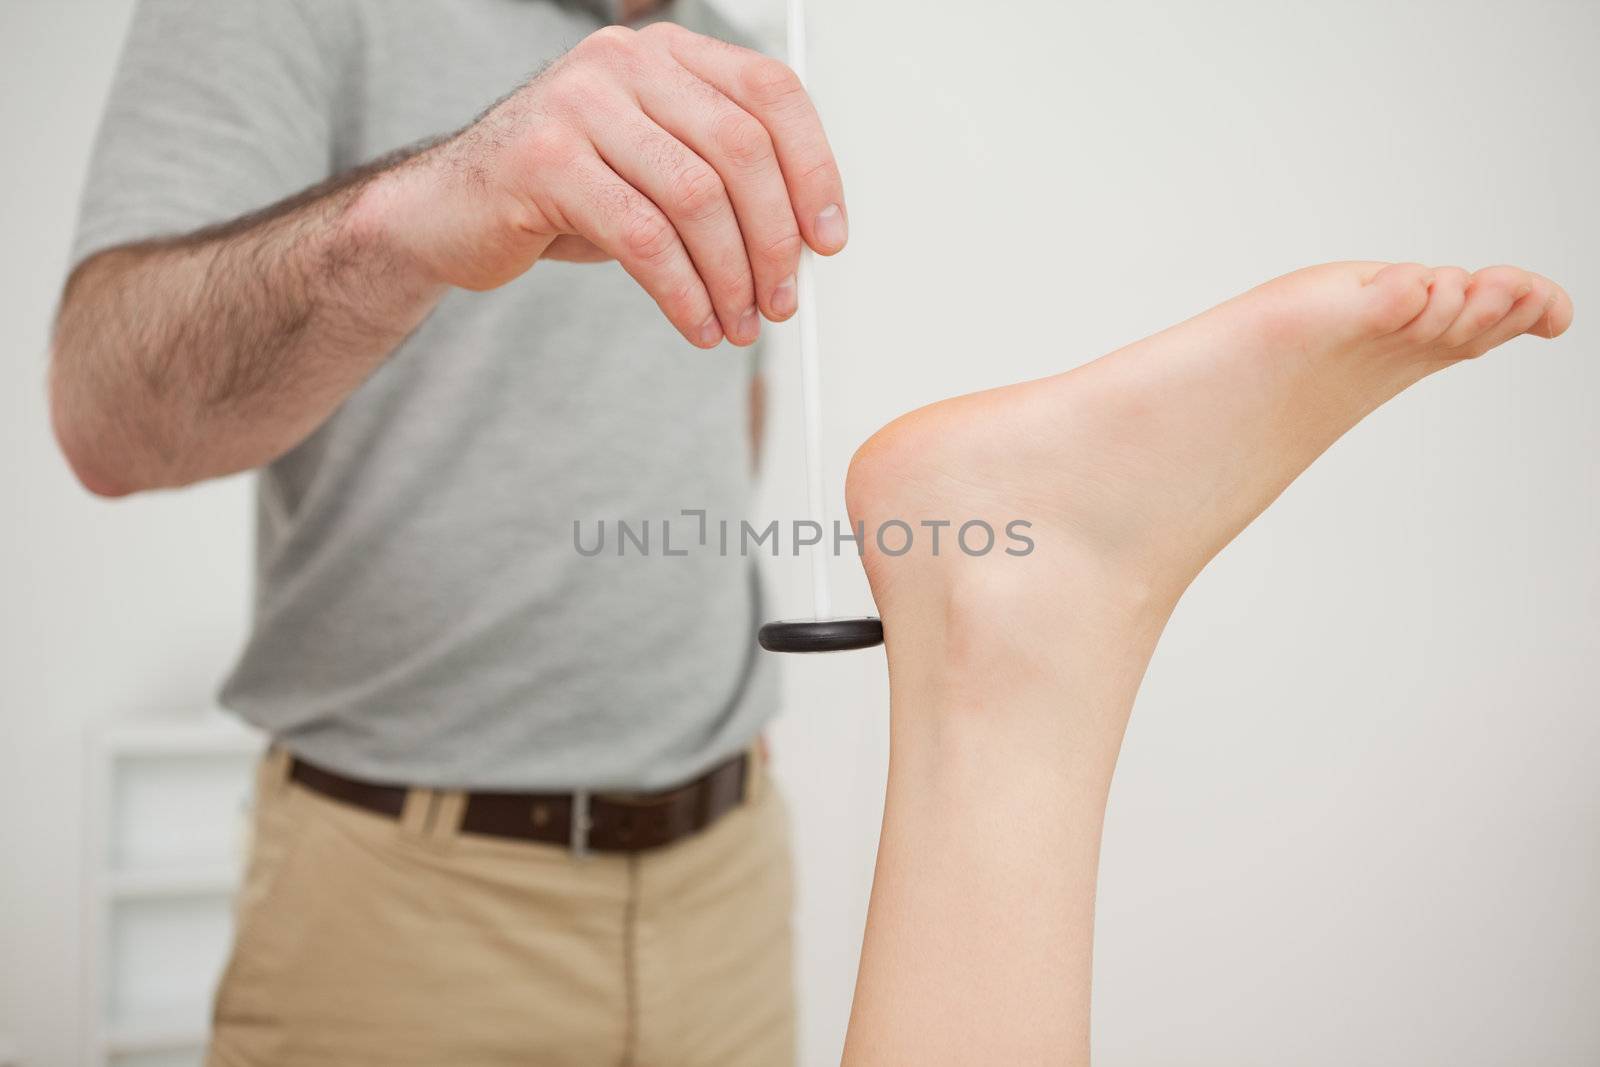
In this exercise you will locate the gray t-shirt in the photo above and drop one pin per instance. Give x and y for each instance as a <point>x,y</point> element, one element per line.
<point>422,614</point>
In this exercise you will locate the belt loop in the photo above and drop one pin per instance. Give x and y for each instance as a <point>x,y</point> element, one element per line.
<point>274,773</point>
<point>417,817</point>
<point>446,821</point>
<point>582,823</point>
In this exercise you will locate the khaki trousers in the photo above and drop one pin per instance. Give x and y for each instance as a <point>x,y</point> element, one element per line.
<point>365,940</point>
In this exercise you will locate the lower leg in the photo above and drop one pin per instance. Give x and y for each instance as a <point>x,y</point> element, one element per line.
<point>1012,678</point>
<point>978,944</point>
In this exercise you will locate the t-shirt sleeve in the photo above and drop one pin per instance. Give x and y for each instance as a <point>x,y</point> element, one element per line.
<point>217,108</point>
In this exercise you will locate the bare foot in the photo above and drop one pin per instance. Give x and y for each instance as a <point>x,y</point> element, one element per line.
<point>1136,469</point>
<point>1012,676</point>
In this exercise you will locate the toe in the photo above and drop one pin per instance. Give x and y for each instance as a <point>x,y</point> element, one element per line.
<point>1395,295</point>
<point>1491,292</point>
<point>1557,314</point>
<point>1530,304</point>
<point>1446,297</point>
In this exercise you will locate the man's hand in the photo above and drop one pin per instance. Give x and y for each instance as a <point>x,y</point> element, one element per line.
<point>699,166</point>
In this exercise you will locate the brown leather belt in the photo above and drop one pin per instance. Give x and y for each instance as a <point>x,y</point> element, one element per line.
<point>584,822</point>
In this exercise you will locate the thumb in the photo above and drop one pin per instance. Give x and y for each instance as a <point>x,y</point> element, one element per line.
<point>571,248</point>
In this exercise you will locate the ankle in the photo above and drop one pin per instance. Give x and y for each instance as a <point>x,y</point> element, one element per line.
<point>967,637</point>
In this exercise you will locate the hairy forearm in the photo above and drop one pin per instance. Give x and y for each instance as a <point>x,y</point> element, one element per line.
<point>187,358</point>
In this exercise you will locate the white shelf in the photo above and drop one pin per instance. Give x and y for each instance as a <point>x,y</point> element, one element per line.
<point>162,855</point>
<point>138,1037</point>
<point>214,879</point>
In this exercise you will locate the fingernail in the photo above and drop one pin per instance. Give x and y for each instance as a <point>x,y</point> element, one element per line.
<point>783,297</point>
<point>831,231</point>
<point>710,332</point>
<point>749,325</point>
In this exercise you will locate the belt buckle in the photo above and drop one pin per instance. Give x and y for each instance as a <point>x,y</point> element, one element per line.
<point>582,823</point>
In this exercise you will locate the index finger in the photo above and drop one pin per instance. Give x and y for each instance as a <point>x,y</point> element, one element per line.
<point>772,92</point>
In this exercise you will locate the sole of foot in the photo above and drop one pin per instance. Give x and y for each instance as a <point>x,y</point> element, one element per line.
<point>1133,470</point>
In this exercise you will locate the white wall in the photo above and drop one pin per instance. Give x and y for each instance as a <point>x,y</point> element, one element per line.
<point>1356,818</point>
<point>109,610</point>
